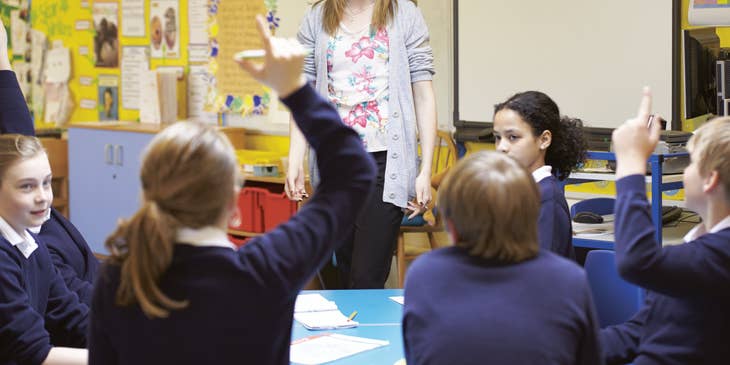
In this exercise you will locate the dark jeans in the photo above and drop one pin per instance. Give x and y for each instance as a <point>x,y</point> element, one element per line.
<point>364,258</point>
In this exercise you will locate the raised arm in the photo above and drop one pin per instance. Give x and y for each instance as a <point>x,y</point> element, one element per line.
<point>292,252</point>
<point>673,270</point>
<point>14,114</point>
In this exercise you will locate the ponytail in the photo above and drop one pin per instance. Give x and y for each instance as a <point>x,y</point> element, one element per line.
<point>189,175</point>
<point>143,246</point>
<point>568,147</point>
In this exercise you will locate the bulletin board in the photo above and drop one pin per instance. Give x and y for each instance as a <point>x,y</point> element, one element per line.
<point>232,29</point>
<point>76,24</point>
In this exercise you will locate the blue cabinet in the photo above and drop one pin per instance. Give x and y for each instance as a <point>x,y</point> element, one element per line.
<point>104,183</point>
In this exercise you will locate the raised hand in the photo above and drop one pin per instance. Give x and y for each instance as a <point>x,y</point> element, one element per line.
<point>283,62</point>
<point>633,142</point>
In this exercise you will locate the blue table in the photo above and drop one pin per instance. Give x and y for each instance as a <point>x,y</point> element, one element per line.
<point>379,318</point>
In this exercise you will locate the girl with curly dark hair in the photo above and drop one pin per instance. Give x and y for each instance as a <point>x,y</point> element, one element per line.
<point>529,127</point>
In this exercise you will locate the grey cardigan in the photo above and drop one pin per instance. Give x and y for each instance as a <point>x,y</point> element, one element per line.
<point>410,60</point>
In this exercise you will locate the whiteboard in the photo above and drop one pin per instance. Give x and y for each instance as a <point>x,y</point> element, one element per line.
<point>591,56</point>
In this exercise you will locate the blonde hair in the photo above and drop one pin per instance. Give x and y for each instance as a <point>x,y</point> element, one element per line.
<point>493,203</point>
<point>334,11</point>
<point>711,146</point>
<point>15,148</point>
<point>188,176</point>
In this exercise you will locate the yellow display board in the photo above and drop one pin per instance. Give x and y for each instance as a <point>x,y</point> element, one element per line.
<point>72,23</point>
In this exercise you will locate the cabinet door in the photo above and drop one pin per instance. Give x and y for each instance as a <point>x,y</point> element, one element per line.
<point>103,180</point>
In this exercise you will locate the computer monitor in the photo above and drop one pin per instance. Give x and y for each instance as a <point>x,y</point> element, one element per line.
<point>701,50</point>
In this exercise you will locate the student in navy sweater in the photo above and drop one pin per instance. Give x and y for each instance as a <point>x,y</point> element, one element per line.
<point>69,251</point>
<point>36,307</point>
<point>496,297</point>
<point>685,319</point>
<point>175,290</point>
<point>528,127</point>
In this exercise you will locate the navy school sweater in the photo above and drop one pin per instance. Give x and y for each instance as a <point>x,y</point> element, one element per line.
<point>461,309</point>
<point>69,251</point>
<point>242,302</point>
<point>555,232</point>
<point>35,305</point>
<point>686,315</point>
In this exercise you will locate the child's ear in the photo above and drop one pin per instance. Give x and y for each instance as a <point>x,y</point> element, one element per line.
<point>546,138</point>
<point>711,182</point>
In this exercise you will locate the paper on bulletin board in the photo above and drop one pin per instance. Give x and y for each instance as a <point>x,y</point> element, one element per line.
<point>709,12</point>
<point>108,97</point>
<point>198,83</point>
<point>164,29</point>
<point>58,65</point>
<point>134,59</point>
<point>106,34</point>
<point>237,31</point>
<point>133,18</point>
<point>198,21</point>
<point>18,33</point>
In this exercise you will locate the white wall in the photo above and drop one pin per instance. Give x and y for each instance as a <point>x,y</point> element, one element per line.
<point>592,56</point>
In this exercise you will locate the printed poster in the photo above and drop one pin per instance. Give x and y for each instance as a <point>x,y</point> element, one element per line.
<point>108,104</point>
<point>106,37</point>
<point>709,12</point>
<point>164,25</point>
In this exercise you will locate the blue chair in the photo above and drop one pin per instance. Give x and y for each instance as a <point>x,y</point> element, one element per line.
<point>600,206</point>
<point>616,300</point>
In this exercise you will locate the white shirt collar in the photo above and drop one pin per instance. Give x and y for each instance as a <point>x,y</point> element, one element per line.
<point>699,230</point>
<point>37,229</point>
<point>542,172</point>
<point>204,237</point>
<point>25,243</point>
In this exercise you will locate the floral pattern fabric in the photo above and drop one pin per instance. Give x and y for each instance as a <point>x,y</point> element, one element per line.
<point>357,74</point>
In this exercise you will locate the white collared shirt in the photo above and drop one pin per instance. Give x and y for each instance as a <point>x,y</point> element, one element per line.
<point>699,230</point>
<point>542,172</point>
<point>204,237</point>
<point>26,244</point>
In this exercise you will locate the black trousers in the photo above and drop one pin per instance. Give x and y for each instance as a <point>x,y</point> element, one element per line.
<point>364,259</point>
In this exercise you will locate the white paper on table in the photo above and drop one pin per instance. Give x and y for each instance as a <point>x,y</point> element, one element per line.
<point>58,65</point>
<point>330,347</point>
<point>324,320</point>
<point>198,21</point>
<point>313,303</point>
<point>133,18</point>
<point>398,299</point>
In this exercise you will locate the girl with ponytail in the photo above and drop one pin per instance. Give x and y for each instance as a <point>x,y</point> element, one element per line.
<point>175,290</point>
<point>528,126</point>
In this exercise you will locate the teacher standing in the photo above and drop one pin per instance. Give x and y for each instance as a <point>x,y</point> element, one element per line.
<point>372,59</point>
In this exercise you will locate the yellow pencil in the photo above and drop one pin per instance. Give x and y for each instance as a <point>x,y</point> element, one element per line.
<point>354,313</point>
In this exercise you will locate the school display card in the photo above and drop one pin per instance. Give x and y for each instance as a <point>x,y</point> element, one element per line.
<point>108,104</point>
<point>164,29</point>
<point>106,37</point>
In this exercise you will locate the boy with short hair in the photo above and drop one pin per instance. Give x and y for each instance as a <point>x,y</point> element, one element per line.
<point>685,319</point>
<point>474,303</point>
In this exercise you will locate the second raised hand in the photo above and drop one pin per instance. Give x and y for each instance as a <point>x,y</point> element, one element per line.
<point>283,62</point>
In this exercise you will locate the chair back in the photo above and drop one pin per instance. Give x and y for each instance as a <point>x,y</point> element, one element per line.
<point>615,299</point>
<point>600,206</point>
<point>444,154</point>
